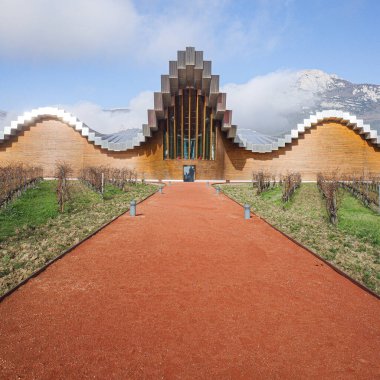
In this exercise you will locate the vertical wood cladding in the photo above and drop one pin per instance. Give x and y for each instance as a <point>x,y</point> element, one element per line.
<point>45,143</point>
<point>191,136</point>
<point>327,146</point>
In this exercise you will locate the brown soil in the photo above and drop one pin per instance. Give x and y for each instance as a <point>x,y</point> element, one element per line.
<point>189,289</point>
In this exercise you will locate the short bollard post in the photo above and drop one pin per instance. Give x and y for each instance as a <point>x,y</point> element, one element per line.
<point>160,189</point>
<point>247,211</point>
<point>217,190</point>
<point>132,209</point>
<point>207,183</point>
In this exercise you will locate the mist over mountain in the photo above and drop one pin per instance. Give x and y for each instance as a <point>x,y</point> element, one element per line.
<point>275,103</point>
<point>332,92</point>
<point>272,104</point>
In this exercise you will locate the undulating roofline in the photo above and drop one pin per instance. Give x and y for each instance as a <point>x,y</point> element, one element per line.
<point>190,70</point>
<point>102,140</point>
<point>257,143</point>
<point>327,115</point>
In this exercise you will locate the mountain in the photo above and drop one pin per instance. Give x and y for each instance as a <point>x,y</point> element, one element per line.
<point>332,92</point>
<point>272,104</point>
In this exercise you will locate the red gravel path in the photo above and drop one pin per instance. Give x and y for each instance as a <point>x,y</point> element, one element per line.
<point>189,289</point>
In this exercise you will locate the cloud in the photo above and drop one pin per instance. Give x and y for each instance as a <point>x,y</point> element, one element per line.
<point>222,28</point>
<point>271,104</point>
<point>7,117</point>
<point>65,29</point>
<point>108,122</point>
<point>103,121</point>
<point>84,29</point>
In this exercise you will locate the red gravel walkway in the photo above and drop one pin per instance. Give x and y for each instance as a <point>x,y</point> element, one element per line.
<point>191,290</point>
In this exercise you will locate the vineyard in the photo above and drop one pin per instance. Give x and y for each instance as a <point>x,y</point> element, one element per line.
<point>264,181</point>
<point>365,188</point>
<point>97,177</point>
<point>63,172</point>
<point>329,187</point>
<point>290,183</point>
<point>15,179</point>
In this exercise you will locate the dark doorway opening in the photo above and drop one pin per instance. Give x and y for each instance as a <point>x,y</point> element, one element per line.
<point>188,173</point>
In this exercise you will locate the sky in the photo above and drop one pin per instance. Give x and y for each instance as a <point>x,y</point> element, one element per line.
<point>90,55</point>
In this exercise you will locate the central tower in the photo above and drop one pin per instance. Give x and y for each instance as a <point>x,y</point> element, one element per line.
<point>189,110</point>
<point>190,130</point>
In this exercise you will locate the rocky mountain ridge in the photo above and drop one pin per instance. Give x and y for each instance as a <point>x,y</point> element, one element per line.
<point>332,92</point>
<point>302,93</point>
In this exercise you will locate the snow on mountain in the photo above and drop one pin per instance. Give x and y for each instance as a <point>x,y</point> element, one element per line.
<point>332,92</point>
<point>275,103</point>
<point>316,81</point>
<point>272,104</point>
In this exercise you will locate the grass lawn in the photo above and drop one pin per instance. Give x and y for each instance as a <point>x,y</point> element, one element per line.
<point>33,208</point>
<point>353,245</point>
<point>33,232</point>
<point>358,220</point>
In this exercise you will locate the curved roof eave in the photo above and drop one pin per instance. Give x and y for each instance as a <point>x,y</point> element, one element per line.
<point>335,115</point>
<point>97,138</point>
<point>254,144</point>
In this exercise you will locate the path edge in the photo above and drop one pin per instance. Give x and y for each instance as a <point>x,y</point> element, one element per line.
<point>68,250</point>
<point>331,265</point>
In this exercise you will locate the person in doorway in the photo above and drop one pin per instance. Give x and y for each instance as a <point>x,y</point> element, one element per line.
<point>191,174</point>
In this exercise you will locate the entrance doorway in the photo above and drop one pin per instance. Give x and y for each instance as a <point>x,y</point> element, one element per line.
<point>188,173</point>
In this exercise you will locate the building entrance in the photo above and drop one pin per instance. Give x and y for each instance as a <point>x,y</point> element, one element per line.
<point>189,129</point>
<point>188,173</point>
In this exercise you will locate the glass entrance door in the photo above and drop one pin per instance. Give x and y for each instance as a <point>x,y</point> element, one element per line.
<point>188,173</point>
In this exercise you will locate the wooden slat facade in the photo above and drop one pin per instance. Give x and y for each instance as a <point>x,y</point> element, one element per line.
<point>325,147</point>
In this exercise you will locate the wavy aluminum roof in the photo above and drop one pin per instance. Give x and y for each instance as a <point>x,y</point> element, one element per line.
<point>246,138</point>
<point>190,70</point>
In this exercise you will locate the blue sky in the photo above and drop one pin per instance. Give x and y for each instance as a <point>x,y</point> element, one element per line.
<point>109,53</point>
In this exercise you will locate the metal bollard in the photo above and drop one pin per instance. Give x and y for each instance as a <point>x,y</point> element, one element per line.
<point>247,211</point>
<point>132,209</point>
<point>160,189</point>
<point>217,190</point>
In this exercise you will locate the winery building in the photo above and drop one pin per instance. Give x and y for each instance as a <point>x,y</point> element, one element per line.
<point>189,135</point>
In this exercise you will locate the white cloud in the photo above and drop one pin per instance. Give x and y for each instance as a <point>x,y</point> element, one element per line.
<point>269,103</point>
<point>103,121</point>
<point>65,29</point>
<point>108,122</point>
<point>84,29</point>
<point>8,118</point>
<point>222,28</point>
